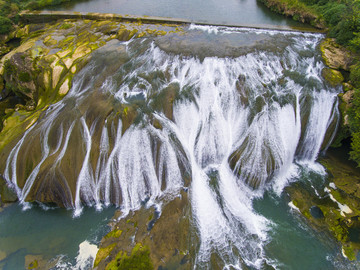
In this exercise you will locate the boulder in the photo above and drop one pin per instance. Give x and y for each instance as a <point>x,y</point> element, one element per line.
<point>332,76</point>
<point>335,56</point>
<point>20,74</point>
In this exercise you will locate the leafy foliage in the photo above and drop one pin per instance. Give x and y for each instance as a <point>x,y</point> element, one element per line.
<point>9,10</point>
<point>5,25</point>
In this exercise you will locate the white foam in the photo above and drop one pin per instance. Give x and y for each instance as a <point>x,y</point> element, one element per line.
<point>291,204</point>
<point>344,209</point>
<point>86,256</point>
<point>332,185</point>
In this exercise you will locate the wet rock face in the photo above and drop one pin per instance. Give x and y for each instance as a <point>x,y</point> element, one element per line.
<point>150,238</point>
<point>339,60</point>
<point>334,77</point>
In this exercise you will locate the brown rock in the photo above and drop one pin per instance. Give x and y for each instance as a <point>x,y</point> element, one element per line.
<point>335,55</point>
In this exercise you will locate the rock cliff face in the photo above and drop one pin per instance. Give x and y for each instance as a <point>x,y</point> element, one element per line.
<point>339,61</point>
<point>40,70</point>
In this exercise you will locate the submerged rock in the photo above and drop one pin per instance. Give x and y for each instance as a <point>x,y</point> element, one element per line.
<point>316,212</point>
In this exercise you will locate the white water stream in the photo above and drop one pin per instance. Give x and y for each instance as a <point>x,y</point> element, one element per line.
<point>237,123</point>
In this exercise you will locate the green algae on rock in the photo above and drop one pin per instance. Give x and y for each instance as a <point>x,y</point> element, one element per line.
<point>338,203</point>
<point>332,76</point>
<point>41,69</point>
<point>138,259</point>
<point>139,239</point>
<point>335,56</point>
<point>7,194</point>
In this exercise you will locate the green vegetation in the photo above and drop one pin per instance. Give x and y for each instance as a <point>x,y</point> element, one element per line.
<point>5,25</point>
<point>138,260</point>
<point>9,10</point>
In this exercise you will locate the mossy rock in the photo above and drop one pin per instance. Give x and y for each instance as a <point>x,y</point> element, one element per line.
<point>334,55</point>
<point>332,76</point>
<point>7,194</point>
<point>114,234</point>
<point>103,253</point>
<point>139,259</point>
<point>349,252</point>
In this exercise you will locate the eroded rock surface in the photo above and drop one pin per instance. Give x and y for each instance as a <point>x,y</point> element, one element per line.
<point>144,237</point>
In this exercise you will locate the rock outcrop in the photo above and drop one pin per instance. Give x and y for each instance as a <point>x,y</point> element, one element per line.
<point>334,207</point>
<point>139,239</point>
<point>335,56</point>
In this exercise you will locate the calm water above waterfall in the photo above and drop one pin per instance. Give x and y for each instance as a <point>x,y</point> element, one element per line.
<point>230,115</point>
<point>238,12</point>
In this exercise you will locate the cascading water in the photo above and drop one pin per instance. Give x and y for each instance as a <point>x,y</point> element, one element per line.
<point>145,119</point>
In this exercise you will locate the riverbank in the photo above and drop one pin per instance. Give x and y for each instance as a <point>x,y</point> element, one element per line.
<point>296,10</point>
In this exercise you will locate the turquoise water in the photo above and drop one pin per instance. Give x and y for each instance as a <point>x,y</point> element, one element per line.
<point>238,12</point>
<point>48,233</point>
<point>294,243</point>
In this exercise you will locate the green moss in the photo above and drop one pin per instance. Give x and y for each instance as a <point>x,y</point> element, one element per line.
<point>103,253</point>
<point>138,260</point>
<point>339,231</point>
<point>33,265</point>
<point>24,77</point>
<point>349,252</point>
<point>307,214</point>
<point>66,26</point>
<point>114,234</point>
<point>332,76</point>
<point>16,124</point>
<point>125,112</point>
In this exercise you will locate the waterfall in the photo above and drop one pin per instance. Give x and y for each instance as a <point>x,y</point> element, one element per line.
<point>226,127</point>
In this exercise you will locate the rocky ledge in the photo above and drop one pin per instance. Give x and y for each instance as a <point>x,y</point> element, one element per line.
<point>138,240</point>
<point>332,207</point>
<point>40,70</point>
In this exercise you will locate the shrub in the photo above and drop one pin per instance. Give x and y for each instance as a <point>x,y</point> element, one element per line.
<point>355,75</point>
<point>5,25</point>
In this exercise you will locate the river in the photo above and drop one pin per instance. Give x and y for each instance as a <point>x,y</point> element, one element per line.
<point>236,12</point>
<point>231,115</point>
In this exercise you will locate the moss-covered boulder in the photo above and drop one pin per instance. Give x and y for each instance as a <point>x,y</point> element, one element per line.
<point>138,259</point>
<point>20,74</point>
<point>332,76</point>
<point>334,55</point>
